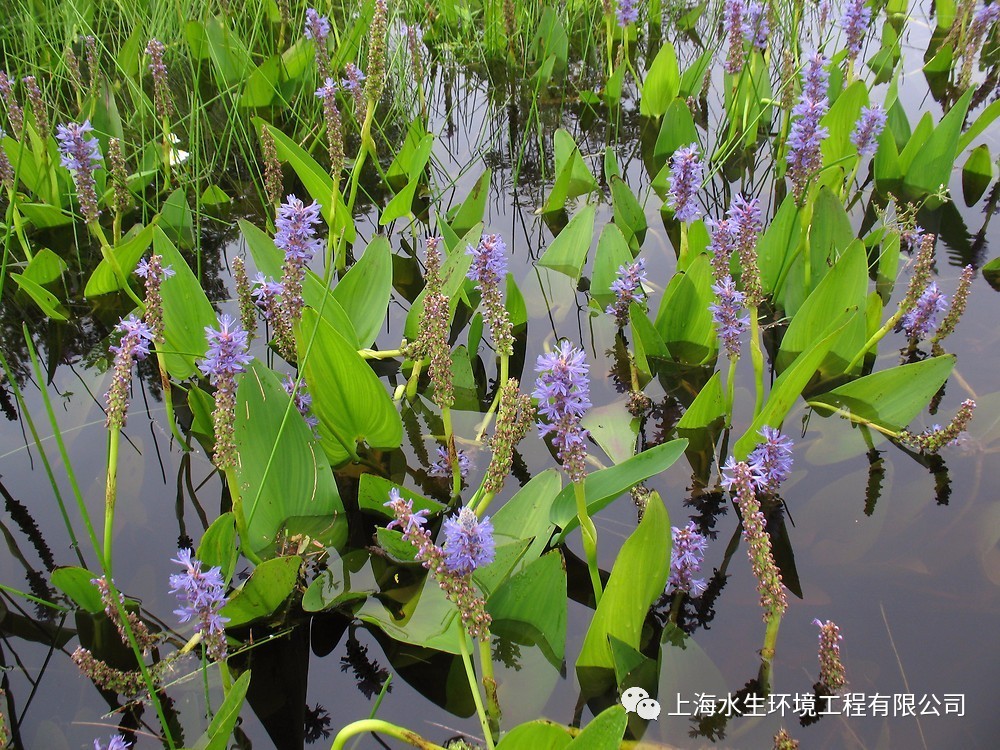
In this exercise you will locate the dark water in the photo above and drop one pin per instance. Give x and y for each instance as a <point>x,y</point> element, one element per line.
<point>913,583</point>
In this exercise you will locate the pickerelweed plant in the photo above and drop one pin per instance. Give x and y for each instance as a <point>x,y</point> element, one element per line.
<point>671,200</point>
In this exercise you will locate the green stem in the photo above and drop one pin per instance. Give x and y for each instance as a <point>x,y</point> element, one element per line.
<point>493,711</point>
<point>504,376</point>
<point>111,493</point>
<point>682,255</point>
<point>449,437</point>
<point>875,338</point>
<point>366,145</point>
<point>589,533</point>
<point>767,653</point>
<point>241,521</point>
<point>731,389</point>
<point>853,418</point>
<point>757,357</point>
<point>364,726</point>
<point>470,673</point>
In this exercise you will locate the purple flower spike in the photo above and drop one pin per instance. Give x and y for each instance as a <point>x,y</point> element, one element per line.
<point>771,460</point>
<point>868,128</point>
<point>727,315</point>
<point>117,742</point>
<point>805,158</point>
<point>855,21</point>
<point>756,26</point>
<point>563,393</point>
<point>815,77</point>
<point>489,260</point>
<point>923,318</point>
<point>468,542</point>
<point>296,229</point>
<point>685,562</point>
<point>201,594</point>
<point>227,350</point>
<point>317,26</point>
<point>81,155</point>
<point>628,289</point>
<point>685,181</point>
<point>628,12</point>
<point>406,519</point>
<point>733,21</point>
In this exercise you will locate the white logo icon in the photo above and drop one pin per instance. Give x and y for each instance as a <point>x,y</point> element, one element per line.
<point>637,700</point>
<point>648,709</point>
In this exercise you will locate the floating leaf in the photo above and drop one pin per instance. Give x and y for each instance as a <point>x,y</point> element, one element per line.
<point>281,469</point>
<point>603,486</point>
<point>348,398</point>
<point>637,581</point>
<point>893,397</point>
<point>568,251</point>
<point>614,429</point>
<point>526,514</point>
<point>263,592</point>
<point>427,619</point>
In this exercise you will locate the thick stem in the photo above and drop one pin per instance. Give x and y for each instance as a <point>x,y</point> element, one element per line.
<point>875,338</point>
<point>470,673</point>
<point>757,357</point>
<point>504,375</point>
<point>111,493</point>
<point>449,437</point>
<point>493,711</point>
<point>241,521</point>
<point>767,653</point>
<point>589,533</point>
<point>382,727</point>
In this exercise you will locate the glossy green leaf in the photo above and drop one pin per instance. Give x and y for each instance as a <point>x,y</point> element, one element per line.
<point>46,300</point>
<point>471,212</point>
<point>603,486</point>
<point>402,202</point>
<point>977,174</point>
<point>628,212</point>
<point>345,580</point>
<point>573,176</point>
<point>708,406</point>
<point>932,164</point>
<point>128,252</point>
<point>647,342</point>
<point>676,131</point>
<point>661,84</point>
<point>537,735</point>
<point>567,253</point>
<point>350,401</point>
<point>777,245</point>
<point>218,545</point>
<point>530,607</point>
<point>684,320</point>
<point>281,469</point>
<point>230,57</point>
<point>637,581</point>
<point>213,196</point>
<point>221,729</point>
<point>604,732</point>
<point>427,619</point>
<point>269,260</point>
<point>612,253</point>
<point>186,311</point>
<point>983,121</point>
<point>614,429</point>
<point>76,584</point>
<point>526,514</point>
<point>263,592</point>
<point>840,122</point>
<point>365,290</point>
<point>176,219</point>
<point>843,289</point>
<point>45,267</point>
<point>262,85</point>
<point>44,215</point>
<point>893,397</point>
<point>787,387</point>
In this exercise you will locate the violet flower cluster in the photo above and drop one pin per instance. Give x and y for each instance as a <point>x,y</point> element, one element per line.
<point>685,181</point>
<point>936,437</point>
<point>685,562</point>
<point>266,295</point>
<point>296,236</point>
<point>489,270</point>
<point>471,543</point>
<point>468,542</point>
<point>227,355</point>
<point>746,224</point>
<point>117,742</point>
<point>628,289</point>
<point>353,85</point>
<point>563,393</point>
<point>804,156</point>
<point>628,12</point>
<point>855,21</point>
<point>154,273</point>
<point>15,114</point>
<point>868,128</point>
<point>317,28</point>
<point>201,594</point>
<point>721,245</point>
<point>136,338</point>
<point>728,315</point>
<point>756,25</point>
<point>919,321</point>
<point>832,676</point>
<point>771,461</point>
<point>6,170</point>
<point>81,154</point>
<point>740,478</point>
<point>37,107</point>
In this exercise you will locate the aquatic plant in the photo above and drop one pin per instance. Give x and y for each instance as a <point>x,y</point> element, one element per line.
<point>201,594</point>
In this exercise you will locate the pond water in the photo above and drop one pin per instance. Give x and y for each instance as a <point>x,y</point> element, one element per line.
<point>901,551</point>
